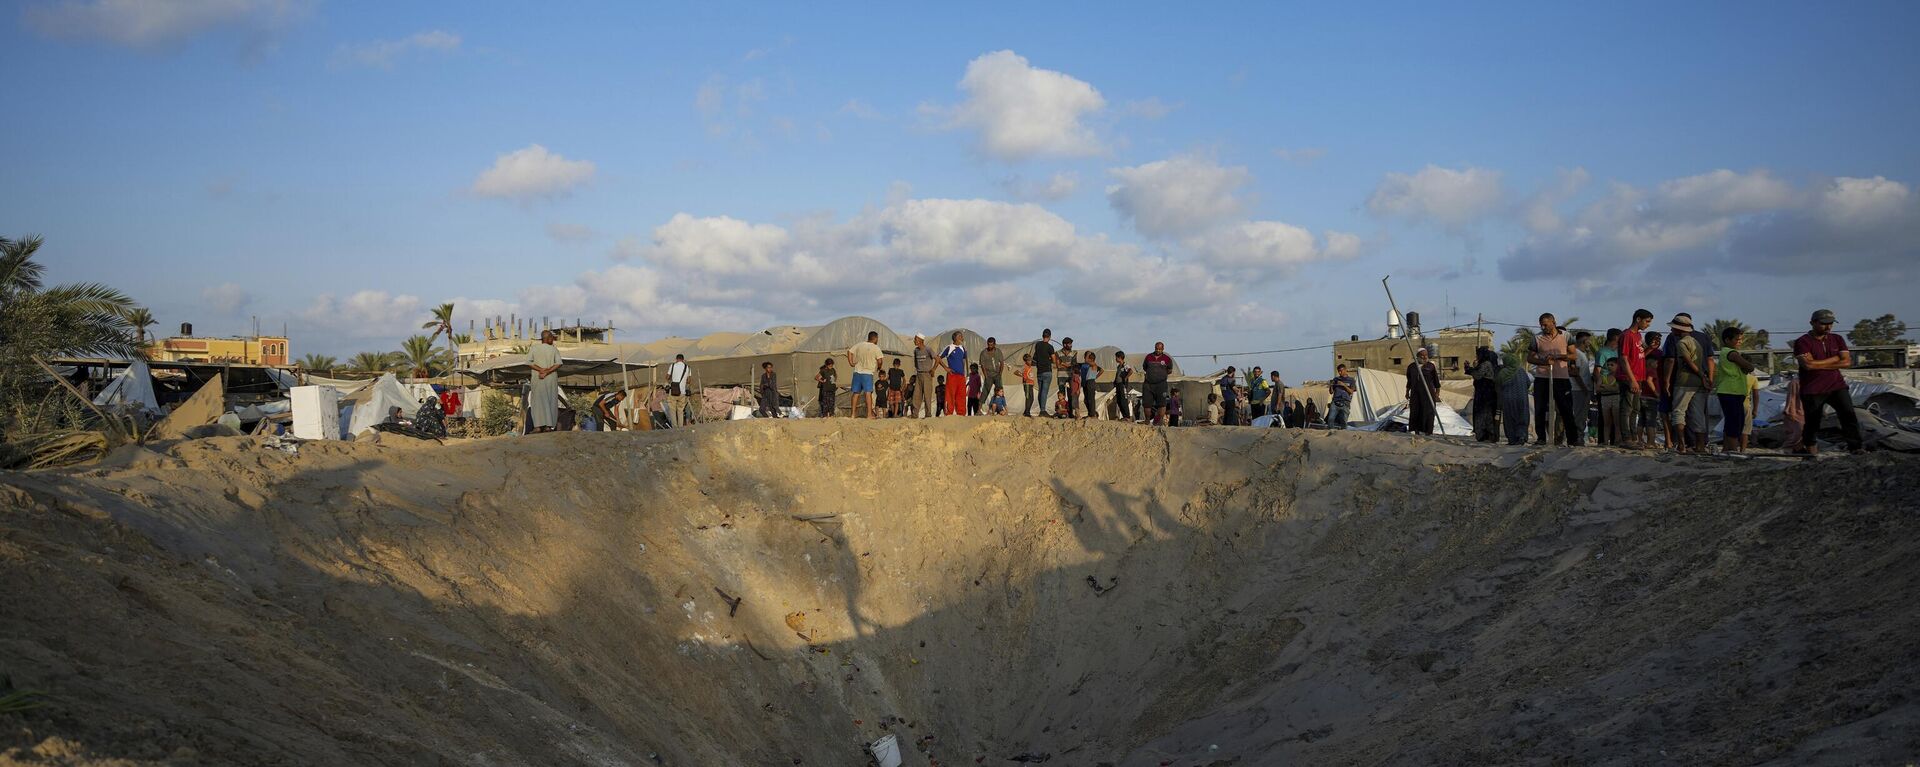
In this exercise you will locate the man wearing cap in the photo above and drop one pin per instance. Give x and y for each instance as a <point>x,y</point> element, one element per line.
<point>922,377</point>
<point>1691,377</point>
<point>1823,354</point>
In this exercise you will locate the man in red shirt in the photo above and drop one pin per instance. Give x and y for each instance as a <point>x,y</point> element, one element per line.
<point>1823,354</point>
<point>1156,367</point>
<point>1633,377</point>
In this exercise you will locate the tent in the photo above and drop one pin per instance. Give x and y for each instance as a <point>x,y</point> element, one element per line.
<point>131,390</point>
<point>513,370</point>
<point>1377,393</point>
<point>1446,421</point>
<point>370,405</point>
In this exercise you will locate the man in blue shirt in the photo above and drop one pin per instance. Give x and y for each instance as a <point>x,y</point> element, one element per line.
<point>1339,397</point>
<point>955,356</point>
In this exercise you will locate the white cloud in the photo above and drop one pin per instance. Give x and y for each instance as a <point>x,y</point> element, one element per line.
<point>1180,195</point>
<point>1541,213</point>
<point>984,233</point>
<point>1058,186</point>
<point>532,173</point>
<point>1256,251</point>
<point>1021,112</point>
<point>717,245</point>
<point>562,231</point>
<point>1442,195</point>
<point>1150,108</point>
<point>381,53</point>
<point>1302,155</point>
<point>156,23</point>
<point>1744,222</point>
<point>368,314</point>
<point>1125,277</point>
<point>225,298</point>
<point>862,110</point>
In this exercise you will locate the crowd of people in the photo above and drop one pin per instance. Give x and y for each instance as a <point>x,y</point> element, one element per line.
<point>1638,388</point>
<point>1631,388</point>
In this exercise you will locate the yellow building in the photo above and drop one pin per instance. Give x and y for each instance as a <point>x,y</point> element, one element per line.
<point>260,350</point>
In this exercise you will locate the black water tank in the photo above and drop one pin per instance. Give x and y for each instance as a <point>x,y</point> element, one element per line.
<point>1413,319</point>
<point>186,329</point>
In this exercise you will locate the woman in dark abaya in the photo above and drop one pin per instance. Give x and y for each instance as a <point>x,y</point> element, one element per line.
<point>1423,386</point>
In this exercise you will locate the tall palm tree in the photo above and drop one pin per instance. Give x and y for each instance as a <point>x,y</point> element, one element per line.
<point>312,362</point>
<point>420,358</point>
<point>442,322</point>
<point>371,362</point>
<point>141,319</point>
<point>38,321</point>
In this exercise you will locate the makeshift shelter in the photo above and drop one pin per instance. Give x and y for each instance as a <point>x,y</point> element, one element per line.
<point>1377,393</point>
<point>1446,421</point>
<point>370,406</point>
<point>131,390</point>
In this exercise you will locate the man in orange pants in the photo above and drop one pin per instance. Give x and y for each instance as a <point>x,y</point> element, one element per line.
<point>955,356</point>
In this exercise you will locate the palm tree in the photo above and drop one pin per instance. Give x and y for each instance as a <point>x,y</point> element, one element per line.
<point>1755,339</point>
<point>442,322</point>
<point>312,362</point>
<point>371,362</point>
<point>141,319</point>
<point>38,321</point>
<point>419,357</point>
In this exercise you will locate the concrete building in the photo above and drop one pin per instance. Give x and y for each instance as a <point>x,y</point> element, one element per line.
<point>252,350</point>
<point>1454,353</point>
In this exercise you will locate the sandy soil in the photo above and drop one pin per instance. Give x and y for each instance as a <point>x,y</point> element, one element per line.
<point>987,589</point>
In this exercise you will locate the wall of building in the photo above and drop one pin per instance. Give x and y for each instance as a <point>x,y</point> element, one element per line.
<point>262,350</point>
<point>1455,352</point>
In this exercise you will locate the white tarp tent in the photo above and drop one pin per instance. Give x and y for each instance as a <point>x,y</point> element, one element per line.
<point>1377,393</point>
<point>370,405</point>
<point>131,390</point>
<point>1446,421</point>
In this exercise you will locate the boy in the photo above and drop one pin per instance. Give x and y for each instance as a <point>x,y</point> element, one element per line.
<point>973,389</point>
<point>1173,408</point>
<point>998,405</point>
<point>896,389</point>
<point>769,392</point>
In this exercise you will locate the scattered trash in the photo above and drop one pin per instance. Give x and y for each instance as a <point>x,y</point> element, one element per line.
<point>733,602</point>
<point>1099,590</point>
<point>886,751</point>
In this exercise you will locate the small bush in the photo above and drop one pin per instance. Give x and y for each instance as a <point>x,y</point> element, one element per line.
<point>497,413</point>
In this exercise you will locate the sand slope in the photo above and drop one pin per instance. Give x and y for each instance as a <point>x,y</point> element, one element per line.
<point>984,588</point>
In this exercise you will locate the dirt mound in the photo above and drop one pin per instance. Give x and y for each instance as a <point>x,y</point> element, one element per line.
<point>988,590</point>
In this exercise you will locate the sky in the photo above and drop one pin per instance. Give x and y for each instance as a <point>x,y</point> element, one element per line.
<point>1225,177</point>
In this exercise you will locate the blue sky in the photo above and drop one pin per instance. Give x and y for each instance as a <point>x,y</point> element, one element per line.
<point>1224,178</point>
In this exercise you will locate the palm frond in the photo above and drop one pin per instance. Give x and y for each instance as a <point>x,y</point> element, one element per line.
<point>19,273</point>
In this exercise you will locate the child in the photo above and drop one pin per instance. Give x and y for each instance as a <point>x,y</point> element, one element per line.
<point>1073,386</point>
<point>1214,413</point>
<point>1060,406</point>
<point>999,404</point>
<point>1662,410</point>
<point>973,389</point>
<point>1607,384</point>
<point>1026,384</point>
<point>1173,408</point>
<point>896,389</point>
<point>940,403</point>
<point>1731,388</point>
<point>1089,373</point>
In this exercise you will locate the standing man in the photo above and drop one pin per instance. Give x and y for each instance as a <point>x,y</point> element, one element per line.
<point>922,378</point>
<point>1043,352</point>
<point>1634,388</point>
<point>1339,397</point>
<point>677,374</point>
<point>1550,385</point>
<point>1690,374</point>
<point>1155,369</point>
<point>955,355</point>
<point>1279,395</point>
<point>1581,368</point>
<point>769,392</point>
<point>828,380</point>
<point>543,389</point>
<point>993,363</point>
<point>864,358</point>
<point>1257,392</point>
<point>1823,354</point>
<point>1229,398</point>
<point>1423,386</point>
